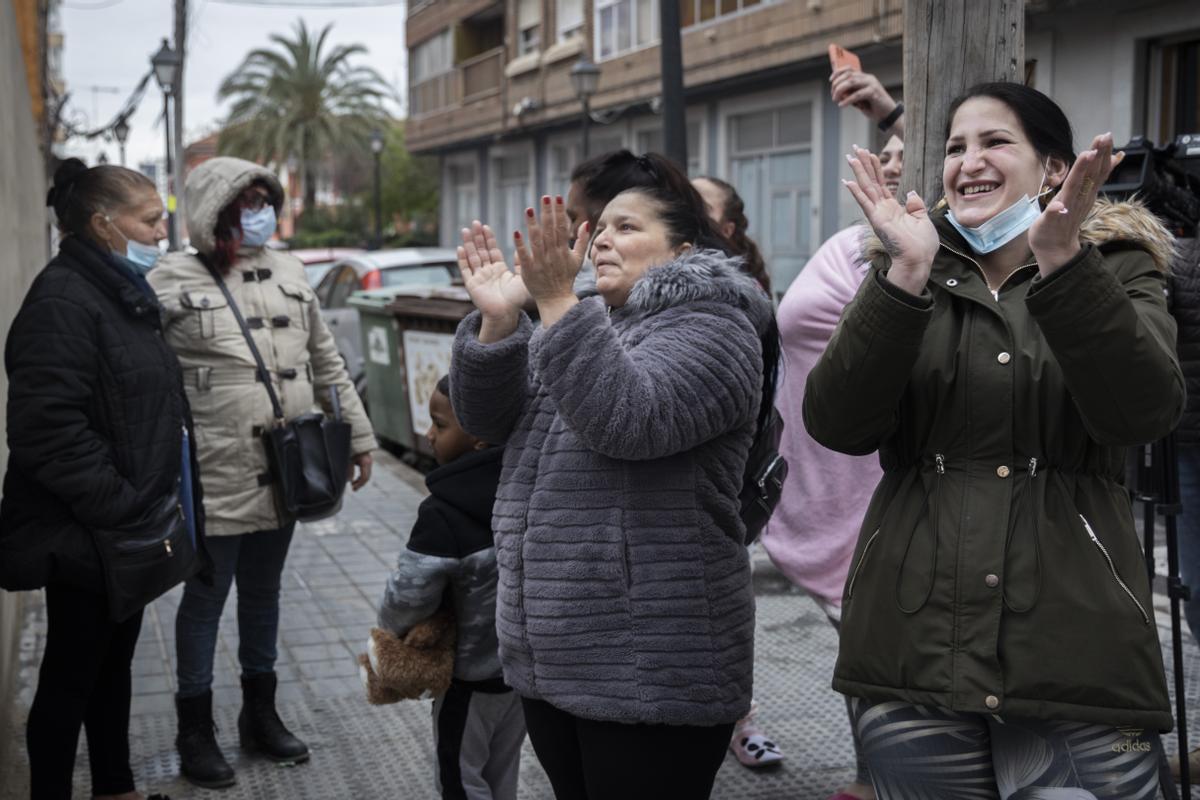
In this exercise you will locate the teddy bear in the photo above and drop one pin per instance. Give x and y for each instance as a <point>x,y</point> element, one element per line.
<point>415,666</point>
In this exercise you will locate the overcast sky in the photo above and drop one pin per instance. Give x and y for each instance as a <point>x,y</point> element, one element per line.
<point>108,44</point>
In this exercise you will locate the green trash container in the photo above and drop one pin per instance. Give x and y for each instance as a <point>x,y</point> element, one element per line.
<point>381,362</point>
<point>408,336</point>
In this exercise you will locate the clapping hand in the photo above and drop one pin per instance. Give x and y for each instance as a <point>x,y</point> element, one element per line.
<point>547,263</point>
<point>1054,237</point>
<point>905,230</point>
<point>497,292</point>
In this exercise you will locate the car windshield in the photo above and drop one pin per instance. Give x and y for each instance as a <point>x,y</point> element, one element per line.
<point>316,271</point>
<point>432,275</point>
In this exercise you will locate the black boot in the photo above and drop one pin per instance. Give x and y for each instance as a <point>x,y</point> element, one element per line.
<point>200,759</point>
<point>260,728</point>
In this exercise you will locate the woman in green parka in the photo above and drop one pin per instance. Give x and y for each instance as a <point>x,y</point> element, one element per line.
<point>997,628</point>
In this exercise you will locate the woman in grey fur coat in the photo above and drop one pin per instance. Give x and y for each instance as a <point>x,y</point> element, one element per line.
<point>624,611</point>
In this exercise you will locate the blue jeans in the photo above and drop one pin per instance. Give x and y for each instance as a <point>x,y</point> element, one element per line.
<point>256,560</point>
<point>1188,528</point>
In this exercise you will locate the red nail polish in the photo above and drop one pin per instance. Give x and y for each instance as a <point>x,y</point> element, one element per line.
<point>558,199</point>
<point>546,199</point>
<point>529,212</point>
<point>516,234</point>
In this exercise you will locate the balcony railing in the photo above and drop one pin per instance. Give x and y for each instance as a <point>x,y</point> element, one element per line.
<point>436,93</point>
<point>482,74</point>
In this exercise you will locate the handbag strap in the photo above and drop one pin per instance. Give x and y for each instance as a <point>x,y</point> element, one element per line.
<point>263,374</point>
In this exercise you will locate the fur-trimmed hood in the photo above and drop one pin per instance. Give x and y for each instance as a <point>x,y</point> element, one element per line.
<point>699,275</point>
<point>1110,221</point>
<point>213,185</point>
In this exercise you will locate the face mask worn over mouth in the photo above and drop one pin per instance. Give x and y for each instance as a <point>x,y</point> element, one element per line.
<point>257,226</point>
<point>1005,226</point>
<point>141,257</point>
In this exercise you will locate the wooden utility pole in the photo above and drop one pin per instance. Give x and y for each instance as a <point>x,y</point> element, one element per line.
<point>950,45</point>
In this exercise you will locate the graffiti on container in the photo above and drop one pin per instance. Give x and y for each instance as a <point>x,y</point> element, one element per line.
<point>377,346</point>
<point>426,359</point>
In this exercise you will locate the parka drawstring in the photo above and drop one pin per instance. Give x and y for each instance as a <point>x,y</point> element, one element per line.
<point>931,497</point>
<point>1037,546</point>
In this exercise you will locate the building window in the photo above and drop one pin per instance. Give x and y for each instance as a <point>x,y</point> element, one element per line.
<point>512,192</point>
<point>529,26</point>
<point>1174,91</point>
<point>463,205</point>
<point>771,168</point>
<point>693,12</point>
<point>623,25</point>
<point>651,141</point>
<point>569,15</point>
<point>430,68</point>
<point>431,57</point>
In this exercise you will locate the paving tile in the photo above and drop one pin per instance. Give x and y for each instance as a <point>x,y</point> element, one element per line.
<point>318,652</point>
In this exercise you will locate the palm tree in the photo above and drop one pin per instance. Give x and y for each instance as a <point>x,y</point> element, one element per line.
<point>296,101</point>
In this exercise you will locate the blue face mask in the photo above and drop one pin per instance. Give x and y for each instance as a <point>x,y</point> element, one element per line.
<point>140,257</point>
<point>1005,226</point>
<point>257,226</point>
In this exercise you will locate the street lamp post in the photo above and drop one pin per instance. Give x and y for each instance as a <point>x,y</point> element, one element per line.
<point>585,77</point>
<point>166,64</point>
<point>121,131</point>
<point>377,151</point>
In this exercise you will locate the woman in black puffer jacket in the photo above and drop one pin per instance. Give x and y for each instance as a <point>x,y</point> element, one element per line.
<point>96,433</point>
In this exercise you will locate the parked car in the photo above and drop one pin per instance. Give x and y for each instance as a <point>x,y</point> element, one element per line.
<point>379,269</point>
<point>318,260</point>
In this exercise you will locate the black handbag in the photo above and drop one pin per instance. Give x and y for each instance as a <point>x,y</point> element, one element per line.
<point>144,559</point>
<point>309,456</point>
<point>762,483</point>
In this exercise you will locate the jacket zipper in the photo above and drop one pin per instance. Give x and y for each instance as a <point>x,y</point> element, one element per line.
<point>983,275</point>
<point>1113,568</point>
<point>861,560</point>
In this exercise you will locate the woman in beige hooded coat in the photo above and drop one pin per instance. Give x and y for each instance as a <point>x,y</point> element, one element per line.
<point>231,206</point>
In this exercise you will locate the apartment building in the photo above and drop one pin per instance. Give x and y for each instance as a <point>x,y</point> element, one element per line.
<point>490,94</point>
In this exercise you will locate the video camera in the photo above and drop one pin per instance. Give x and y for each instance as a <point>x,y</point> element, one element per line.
<point>1166,179</point>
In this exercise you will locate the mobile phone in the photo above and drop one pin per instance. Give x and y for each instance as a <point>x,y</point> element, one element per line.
<point>841,57</point>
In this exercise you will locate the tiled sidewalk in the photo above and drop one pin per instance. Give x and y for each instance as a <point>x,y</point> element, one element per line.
<point>334,575</point>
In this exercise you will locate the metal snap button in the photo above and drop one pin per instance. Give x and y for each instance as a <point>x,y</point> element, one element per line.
<point>1004,358</point>
<point>204,302</point>
<point>1002,471</point>
<point>952,282</point>
<point>992,702</point>
<point>992,581</point>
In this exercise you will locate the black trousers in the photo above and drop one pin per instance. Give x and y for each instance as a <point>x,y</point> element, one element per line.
<point>84,680</point>
<point>589,760</point>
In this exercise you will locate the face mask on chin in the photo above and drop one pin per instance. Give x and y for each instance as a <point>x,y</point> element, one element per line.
<point>1004,226</point>
<point>141,257</point>
<point>257,226</point>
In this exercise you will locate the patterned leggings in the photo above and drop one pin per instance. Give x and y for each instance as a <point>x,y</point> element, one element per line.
<point>936,754</point>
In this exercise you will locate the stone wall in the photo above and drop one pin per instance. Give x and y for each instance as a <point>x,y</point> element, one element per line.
<point>22,254</point>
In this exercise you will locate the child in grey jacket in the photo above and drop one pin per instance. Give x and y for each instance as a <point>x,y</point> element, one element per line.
<point>478,723</point>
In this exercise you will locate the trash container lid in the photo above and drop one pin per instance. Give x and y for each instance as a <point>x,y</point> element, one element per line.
<point>377,299</point>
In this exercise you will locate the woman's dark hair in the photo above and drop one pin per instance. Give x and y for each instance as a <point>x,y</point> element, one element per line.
<point>734,210</point>
<point>227,233</point>
<point>1044,123</point>
<point>684,213</point>
<point>681,208</point>
<point>79,192</point>
<point>443,385</point>
<point>605,176</point>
